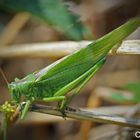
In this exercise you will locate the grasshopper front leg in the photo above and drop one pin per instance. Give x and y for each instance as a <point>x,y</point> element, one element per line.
<point>25,109</point>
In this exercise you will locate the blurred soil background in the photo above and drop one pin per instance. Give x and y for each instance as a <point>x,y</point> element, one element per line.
<point>101,16</point>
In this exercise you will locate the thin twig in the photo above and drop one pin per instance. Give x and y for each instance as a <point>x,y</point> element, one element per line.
<point>60,49</point>
<point>13,28</point>
<point>82,114</point>
<point>41,118</point>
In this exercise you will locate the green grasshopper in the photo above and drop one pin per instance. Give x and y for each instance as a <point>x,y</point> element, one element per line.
<point>70,73</point>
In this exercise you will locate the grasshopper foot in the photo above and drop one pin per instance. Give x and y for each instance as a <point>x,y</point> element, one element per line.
<point>63,113</point>
<point>62,109</point>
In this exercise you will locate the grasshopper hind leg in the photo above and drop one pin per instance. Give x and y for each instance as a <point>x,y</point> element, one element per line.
<point>76,91</point>
<point>62,108</point>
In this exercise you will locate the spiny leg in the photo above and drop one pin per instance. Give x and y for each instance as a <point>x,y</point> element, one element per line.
<point>65,102</point>
<point>25,109</point>
<point>56,98</point>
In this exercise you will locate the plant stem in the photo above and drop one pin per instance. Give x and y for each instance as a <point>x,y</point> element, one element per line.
<point>5,126</point>
<point>82,114</point>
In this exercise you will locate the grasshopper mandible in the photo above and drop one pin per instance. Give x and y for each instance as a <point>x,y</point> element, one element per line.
<point>69,73</point>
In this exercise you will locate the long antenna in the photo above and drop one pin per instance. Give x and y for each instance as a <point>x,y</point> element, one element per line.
<point>3,75</point>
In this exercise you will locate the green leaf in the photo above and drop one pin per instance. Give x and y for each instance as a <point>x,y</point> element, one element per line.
<point>135,89</point>
<point>73,66</point>
<point>53,12</point>
<point>118,96</point>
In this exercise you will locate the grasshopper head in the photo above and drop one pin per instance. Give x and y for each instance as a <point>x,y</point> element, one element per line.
<point>20,88</point>
<point>15,92</point>
<point>19,91</point>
